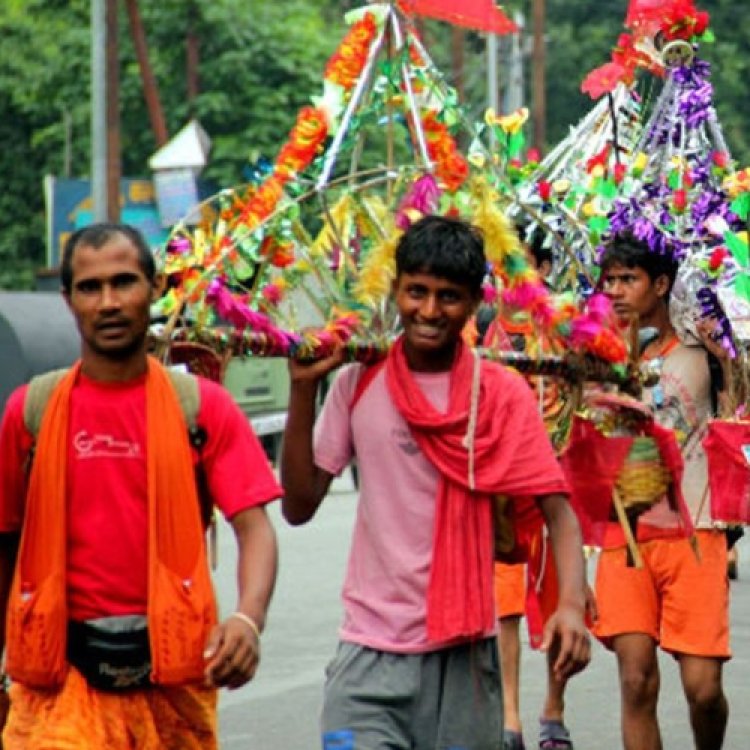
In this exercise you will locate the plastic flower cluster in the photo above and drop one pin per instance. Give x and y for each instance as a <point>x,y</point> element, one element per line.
<point>665,21</point>
<point>451,168</point>
<point>346,64</point>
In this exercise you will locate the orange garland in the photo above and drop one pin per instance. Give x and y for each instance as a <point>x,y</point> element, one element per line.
<point>450,166</point>
<point>311,128</point>
<point>346,64</point>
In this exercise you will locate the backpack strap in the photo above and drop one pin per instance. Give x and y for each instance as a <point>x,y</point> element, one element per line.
<point>38,394</point>
<point>366,376</point>
<point>187,389</point>
<point>189,396</point>
<point>41,387</point>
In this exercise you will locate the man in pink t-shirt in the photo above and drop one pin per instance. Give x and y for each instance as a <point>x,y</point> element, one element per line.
<point>436,433</point>
<point>122,526</point>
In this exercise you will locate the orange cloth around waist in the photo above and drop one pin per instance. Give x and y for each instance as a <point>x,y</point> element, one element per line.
<point>159,718</point>
<point>680,601</point>
<point>510,589</point>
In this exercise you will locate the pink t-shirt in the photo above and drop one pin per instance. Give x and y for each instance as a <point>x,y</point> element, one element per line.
<point>107,493</point>
<point>385,588</point>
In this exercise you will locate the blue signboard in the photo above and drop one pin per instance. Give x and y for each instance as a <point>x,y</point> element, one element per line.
<point>70,207</point>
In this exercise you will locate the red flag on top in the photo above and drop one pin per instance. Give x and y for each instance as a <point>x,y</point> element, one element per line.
<point>482,15</point>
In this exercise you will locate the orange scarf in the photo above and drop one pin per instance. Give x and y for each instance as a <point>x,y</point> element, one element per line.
<point>181,603</point>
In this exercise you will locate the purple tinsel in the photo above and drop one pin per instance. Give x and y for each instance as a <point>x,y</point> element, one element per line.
<point>710,308</point>
<point>629,217</point>
<point>711,202</point>
<point>694,106</point>
<point>694,74</point>
<point>694,97</point>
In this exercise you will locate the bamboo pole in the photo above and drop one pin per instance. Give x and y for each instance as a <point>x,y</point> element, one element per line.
<point>622,517</point>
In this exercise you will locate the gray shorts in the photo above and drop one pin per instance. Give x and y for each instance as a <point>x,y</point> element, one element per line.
<point>444,700</point>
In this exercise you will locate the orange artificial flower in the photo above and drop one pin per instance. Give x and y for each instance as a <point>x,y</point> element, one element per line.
<point>280,254</point>
<point>346,64</point>
<point>305,138</point>
<point>262,203</point>
<point>450,166</point>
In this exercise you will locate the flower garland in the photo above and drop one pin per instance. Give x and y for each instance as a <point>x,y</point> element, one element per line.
<point>346,64</point>
<point>451,167</point>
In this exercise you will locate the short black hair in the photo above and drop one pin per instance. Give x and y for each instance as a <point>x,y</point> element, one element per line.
<point>96,236</point>
<point>535,242</point>
<point>625,249</point>
<point>446,247</point>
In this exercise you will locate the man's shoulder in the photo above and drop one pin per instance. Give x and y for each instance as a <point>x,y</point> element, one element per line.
<point>689,352</point>
<point>688,362</point>
<point>15,404</point>
<point>214,398</point>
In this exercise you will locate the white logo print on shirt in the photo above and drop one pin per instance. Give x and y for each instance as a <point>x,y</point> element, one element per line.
<point>103,446</point>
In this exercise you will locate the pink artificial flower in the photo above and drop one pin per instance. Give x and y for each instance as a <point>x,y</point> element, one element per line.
<point>272,293</point>
<point>422,199</point>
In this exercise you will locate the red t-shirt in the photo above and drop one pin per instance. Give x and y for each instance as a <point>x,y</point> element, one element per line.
<point>107,493</point>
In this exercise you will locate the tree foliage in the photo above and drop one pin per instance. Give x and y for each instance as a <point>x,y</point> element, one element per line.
<point>259,61</point>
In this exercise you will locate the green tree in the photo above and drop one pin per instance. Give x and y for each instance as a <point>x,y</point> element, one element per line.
<point>259,62</point>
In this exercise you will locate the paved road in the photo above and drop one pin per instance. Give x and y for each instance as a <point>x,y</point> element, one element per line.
<point>279,710</point>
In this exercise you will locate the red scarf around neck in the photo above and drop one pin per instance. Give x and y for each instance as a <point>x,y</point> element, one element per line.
<point>460,601</point>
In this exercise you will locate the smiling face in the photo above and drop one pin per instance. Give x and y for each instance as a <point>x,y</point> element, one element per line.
<point>110,297</point>
<point>433,313</point>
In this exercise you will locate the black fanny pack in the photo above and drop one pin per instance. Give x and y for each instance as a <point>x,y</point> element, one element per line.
<point>112,653</point>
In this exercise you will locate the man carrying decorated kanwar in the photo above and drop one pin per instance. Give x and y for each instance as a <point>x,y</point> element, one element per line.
<point>112,635</point>
<point>518,586</point>
<point>437,433</point>
<point>679,599</point>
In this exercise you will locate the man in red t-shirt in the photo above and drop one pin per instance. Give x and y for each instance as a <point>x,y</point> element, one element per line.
<point>126,459</point>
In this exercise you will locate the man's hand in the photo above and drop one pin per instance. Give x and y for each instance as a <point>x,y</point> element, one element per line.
<point>232,654</point>
<point>315,371</point>
<point>567,630</point>
<point>707,328</point>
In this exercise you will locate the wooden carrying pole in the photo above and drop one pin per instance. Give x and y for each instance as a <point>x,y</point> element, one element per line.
<point>622,517</point>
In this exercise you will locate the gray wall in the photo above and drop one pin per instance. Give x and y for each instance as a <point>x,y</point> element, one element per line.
<point>37,333</point>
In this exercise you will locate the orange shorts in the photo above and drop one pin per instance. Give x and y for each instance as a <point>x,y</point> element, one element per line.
<point>168,718</point>
<point>681,602</point>
<point>510,588</point>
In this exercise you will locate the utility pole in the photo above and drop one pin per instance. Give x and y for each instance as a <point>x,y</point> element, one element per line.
<point>514,91</point>
<point>493,88</point>
<point>105,116</point>
<point>538,77</point>
<point>150,88</point>
<point>192,59</point>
